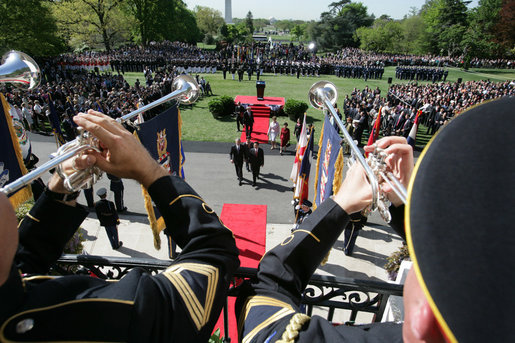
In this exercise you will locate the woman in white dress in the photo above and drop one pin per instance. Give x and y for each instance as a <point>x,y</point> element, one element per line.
<point>273,132</point>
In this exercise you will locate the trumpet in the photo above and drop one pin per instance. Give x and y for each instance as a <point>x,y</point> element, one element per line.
<point>185,91</point>
<point>20,70</point>
<point>323,95</point>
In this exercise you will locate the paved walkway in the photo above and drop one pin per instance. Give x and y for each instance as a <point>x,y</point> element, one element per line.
<point>210,173</point>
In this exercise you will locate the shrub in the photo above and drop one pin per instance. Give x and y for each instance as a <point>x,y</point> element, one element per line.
<point>394,261</point>
<point>295,109</point>
<point>74,245</point>
<point>221,106</point>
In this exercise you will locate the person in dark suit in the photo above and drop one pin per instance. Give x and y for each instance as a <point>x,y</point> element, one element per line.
<point>351,231</point>
<point>88,194</point>
<point>108,218</point>
<point>237,155</point>
<point>246,148</point>
<point>248,120</point>
<point>180,304</point>
<point>117,188</point>
<point>238,111</point>
<point>257,160</point>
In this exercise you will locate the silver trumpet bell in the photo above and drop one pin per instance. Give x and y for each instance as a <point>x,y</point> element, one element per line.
<point>20,70</point>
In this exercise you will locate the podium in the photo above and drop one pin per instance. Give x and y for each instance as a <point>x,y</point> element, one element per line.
<point>260,88</point>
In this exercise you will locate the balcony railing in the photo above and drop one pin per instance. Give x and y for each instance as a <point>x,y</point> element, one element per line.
<point>326,293</point>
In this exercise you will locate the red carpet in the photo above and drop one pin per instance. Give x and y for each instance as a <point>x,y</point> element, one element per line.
<point>248,223</point>
<point>260,128</point>
<point>252,100</point>
<point>261,111</point>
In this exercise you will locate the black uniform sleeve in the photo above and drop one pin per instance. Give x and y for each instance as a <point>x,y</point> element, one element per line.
<point>288,267</point>
<point>186,299</point>
<point>44,232</point>
<point>397,222</point>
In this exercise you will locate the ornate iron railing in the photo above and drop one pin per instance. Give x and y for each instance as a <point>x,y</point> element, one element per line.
<point>327,292</point>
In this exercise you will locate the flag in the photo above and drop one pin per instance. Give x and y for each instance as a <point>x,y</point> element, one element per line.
<point>412,137</point>
<point>328,152</point>
<point>161,137</point>
<point>11,161</point>
<point>374,134</point>
<point>55,122</point>
<point>301,148</point>
<point>302,187</point>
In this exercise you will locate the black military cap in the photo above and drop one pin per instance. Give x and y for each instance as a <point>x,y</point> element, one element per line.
<point>460,224</point>
<point>307,203</point>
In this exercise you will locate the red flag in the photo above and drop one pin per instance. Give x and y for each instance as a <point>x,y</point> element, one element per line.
<point>374,134</point>
<point>301,148</point>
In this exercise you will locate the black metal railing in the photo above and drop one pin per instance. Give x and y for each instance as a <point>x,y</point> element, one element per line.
<point>323,291</point>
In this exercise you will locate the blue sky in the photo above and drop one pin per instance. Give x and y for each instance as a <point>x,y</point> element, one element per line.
<point>306,9</point>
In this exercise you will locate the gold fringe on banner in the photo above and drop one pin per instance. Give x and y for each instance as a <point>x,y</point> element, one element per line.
<point>320,142</point>
<point>338,170</point>
<point>25,193</point>
<point>337,182</point>
<point>156,225</point>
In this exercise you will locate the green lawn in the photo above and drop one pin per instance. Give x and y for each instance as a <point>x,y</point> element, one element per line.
<point>199,124</point>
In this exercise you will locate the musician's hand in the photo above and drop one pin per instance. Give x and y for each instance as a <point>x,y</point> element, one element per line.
<point>70,166</point>
<point>123,155</point>
<point>399,162</point>
<point>355,193</point>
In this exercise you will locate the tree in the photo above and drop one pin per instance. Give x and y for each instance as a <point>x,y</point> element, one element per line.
<point>384,36</point>
<point>209,20</point>
<point>337,6</point>
<point>29,26</point>
<point>94,22</point>
<point>142,11</point>
<point>249,22</point>
<point>298,31</point>
<point>504,30</point>
<point>337,29</point>
<point>480,39</point>
<point>446,22</point>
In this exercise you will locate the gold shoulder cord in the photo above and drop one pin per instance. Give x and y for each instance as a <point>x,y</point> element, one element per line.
<point>291,332</point>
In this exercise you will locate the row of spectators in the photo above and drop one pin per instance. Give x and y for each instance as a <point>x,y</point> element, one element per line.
<point>437,103</point>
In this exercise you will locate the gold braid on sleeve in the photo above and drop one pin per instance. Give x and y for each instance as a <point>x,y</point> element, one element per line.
<point>291,332</point>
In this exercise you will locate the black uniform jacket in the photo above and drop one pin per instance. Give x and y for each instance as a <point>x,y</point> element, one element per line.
<point>181,304</point>
<point>266,306</point>
<point>106,212</point>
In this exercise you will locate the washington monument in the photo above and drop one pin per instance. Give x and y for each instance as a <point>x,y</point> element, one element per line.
<point>228,11</point>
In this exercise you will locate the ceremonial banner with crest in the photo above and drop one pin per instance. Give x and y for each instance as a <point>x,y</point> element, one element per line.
<point>161,136</point>
<point>328,153</point>
<point>11,160</point>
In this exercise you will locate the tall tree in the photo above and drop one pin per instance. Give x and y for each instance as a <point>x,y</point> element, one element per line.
<point>142,11</point>
<point>337,29</point>
<point>504,30</point>
<point>29,26</point>
<point>249,22</point>
<point>446,22</point>
<point>93,22</point>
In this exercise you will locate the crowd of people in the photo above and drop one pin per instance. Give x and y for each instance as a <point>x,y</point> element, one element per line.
<point>257,58</point>
<point>437,102</point>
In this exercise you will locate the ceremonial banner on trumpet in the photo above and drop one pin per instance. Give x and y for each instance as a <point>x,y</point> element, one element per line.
<point>11,160</point>
<point>161,136</point>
